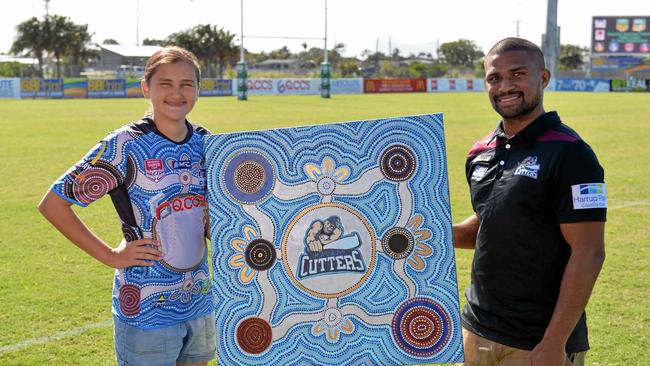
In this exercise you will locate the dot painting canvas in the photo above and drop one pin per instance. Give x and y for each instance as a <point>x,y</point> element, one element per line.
<point>332,245</point>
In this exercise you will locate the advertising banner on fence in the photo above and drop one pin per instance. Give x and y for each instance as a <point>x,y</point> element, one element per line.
<point>347,86</point>
<point>9,88</point>
<point>631,85</point>
<point>41,88</point>
<point>112,88</point>
<point>394,85</point>
<point>587,85</point>
<point>133,89</point>
<point>454,85</point>
<point>282,86</point>
<point>216,87</point>
<point>75,88</point>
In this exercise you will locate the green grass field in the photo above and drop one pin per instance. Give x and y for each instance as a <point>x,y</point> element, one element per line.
<point>55,300</point>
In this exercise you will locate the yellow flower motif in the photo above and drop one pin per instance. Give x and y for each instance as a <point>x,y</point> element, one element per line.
<point>332,326</point>
<point>327,169</point>
<point>420,236</point>
<point>246,274</point>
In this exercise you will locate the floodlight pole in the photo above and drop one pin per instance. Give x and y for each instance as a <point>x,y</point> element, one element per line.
<point>325,67</point>
<point>242,86</point>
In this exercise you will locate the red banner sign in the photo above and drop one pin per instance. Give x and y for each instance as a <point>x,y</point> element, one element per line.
<point>394,85</point>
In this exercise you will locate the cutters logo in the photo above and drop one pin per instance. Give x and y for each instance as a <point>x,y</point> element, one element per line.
<point>290,85</point>
<point>154,169</point>
<point>179,204</point>
<point>329,250</point>
<point>434,84</point>
<point>528,167</point>
<point>452,84</point>
<point>263,84</point>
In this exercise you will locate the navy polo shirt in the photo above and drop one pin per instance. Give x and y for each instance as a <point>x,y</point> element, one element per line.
<point>522,188</point>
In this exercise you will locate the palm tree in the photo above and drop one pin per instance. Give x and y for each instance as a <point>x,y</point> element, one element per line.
<point>33,37</point>
<point>226,50</point>
<point>59,36</point>
<point>77,48</point>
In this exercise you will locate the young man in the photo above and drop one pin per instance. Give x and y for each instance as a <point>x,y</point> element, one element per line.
<point>539,199</point>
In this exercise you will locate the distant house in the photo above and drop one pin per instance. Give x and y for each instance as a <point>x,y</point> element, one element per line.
<point>118,57</point>
<point>277,65</point>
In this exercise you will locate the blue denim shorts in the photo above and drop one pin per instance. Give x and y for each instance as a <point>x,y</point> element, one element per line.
<point>192,341</point>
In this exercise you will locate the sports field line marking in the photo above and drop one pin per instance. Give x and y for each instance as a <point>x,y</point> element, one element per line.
<point>624,204</point>
<point>55,337</point>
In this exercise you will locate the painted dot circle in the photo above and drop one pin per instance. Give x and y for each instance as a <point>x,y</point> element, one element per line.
<point>397,163</point>
<point>421,327</point>
<point>333,317</point>
<point>185,178</point>
<point>260,254</point>
<point>249,177</point>
<point>93,183</point>
<point>397,243</point>
<point>326,186</point>
<point>129,299</point>
<point>254,335</point>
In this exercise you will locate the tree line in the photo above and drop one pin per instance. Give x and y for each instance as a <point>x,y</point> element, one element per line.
<point>67,43</point>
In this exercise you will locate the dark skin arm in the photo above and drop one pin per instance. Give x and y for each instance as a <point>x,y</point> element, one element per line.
<point>465,232</point>
<point>587,241</point>
<point>136,253</point>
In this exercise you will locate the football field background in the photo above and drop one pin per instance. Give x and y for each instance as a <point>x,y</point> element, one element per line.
<point>55,300</point>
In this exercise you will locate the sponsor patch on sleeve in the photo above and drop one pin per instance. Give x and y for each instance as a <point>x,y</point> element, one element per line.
<point>589,195</point>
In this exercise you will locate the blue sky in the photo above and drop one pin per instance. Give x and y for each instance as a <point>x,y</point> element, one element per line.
<point>411,25</point>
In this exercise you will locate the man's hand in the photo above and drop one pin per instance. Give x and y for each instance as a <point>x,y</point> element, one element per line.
<point>142,252</point>
<point>547,354</point>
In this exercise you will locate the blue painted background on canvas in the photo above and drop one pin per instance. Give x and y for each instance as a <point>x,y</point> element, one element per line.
<point>332,245</point>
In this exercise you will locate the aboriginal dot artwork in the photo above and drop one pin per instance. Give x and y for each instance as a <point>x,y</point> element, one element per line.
<point>332,245</point>
<point>260,254</point>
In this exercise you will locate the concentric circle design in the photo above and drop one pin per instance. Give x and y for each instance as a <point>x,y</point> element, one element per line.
<point>254,335</point>
<point>185,178</point>
<point>93,183</point>
<point>333,317</point>
<point>248,177</point>
<point>129,299</point>
<point>397,243</point>
<point>421,327</point>
<point>397,163</point>
<point>260,254</point>
<point>326,186</point>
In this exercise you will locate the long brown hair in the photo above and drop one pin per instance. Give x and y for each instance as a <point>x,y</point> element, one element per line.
<point>171,55</point>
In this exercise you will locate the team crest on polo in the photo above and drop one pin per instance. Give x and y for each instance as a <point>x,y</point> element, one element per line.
<point>528,167</point>
<point>329,249</point>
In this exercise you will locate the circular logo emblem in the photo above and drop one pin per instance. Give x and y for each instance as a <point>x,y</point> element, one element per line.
<point>328,250</point>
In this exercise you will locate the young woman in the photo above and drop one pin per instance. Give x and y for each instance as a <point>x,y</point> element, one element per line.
<point>153,169</point>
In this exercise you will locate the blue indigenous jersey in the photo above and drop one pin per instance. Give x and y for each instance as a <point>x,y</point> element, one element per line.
<point>158,189</point>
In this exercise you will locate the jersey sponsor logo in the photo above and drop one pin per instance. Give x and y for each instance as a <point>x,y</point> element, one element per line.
<point>154,169</point>
<point>479,172</point>
<point>589,195</point>
<point>181,164</point>
<point>328,250</point>
<point>528,167</point>
<point>179,204</point>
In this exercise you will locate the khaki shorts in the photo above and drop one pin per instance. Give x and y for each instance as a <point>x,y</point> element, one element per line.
<point>484,352</point>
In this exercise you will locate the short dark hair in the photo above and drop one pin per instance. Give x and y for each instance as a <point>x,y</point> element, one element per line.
<point>518,44</point>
